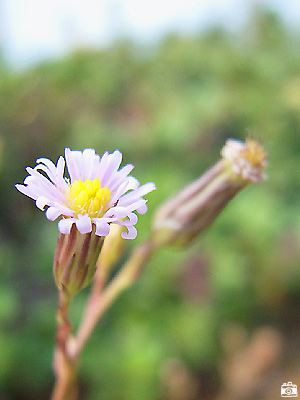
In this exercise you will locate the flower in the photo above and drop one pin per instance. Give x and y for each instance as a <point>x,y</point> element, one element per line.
<point>196,206</point>
<point>95,194</point>
<point>246,160</point>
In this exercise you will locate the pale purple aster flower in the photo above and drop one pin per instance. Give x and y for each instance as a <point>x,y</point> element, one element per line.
<point>96,192</point>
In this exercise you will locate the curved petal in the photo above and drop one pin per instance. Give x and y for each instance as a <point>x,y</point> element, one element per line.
<point>133,183</point>
<point>38,186</point>
<point>52,213</point>
<point>116,212</point>
<point>41,202</point>
<point>131,234</point>
<point>64,225</point>
<point>145,189</point>
<point>73,160</point>
<point>23,189</point>
<point>132,220</point>
<point>113,163</point>
<point>135,195</point>
<point>84,224</point>
<point>102,167</point>
<point>102,228</point>
<point>136,205</point>
<point>90,161</point>
<point>47,166</point>
<point>119,177</point>
<point>142,209</point>
<point>120,191</point>
<point>60,169</point>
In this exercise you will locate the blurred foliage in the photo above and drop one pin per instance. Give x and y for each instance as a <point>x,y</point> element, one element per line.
<point>169,111</point>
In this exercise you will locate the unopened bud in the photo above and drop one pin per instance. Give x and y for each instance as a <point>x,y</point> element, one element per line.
<point>75,260</point>
<point>247,161</point>
<point>194,208</point>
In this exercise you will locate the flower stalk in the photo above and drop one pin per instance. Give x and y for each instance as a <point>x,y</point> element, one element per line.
<point>65,367</point>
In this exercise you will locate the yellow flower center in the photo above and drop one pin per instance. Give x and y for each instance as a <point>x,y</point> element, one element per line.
<point>89,197</point>
<point>254,153</point>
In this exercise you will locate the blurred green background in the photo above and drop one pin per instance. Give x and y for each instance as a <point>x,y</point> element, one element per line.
<point>218,320</point>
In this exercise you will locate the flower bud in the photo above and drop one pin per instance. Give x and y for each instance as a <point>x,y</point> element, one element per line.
<point>193,209</point>
<point>75,260</point>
